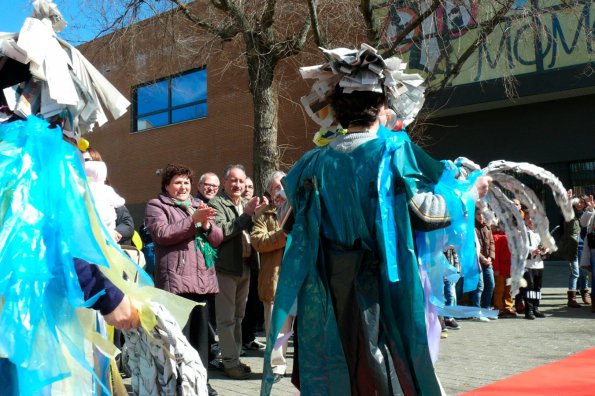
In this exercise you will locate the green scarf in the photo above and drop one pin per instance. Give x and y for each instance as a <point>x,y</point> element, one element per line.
<point>200,243</point>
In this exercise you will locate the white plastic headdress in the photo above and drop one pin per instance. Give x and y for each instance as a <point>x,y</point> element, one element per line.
<point>63,84</point>
<point>362,70</point>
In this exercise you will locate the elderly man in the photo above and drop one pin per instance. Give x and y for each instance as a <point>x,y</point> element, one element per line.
<point>269,239</point>
<point>208,186</point>
<point>235,255</point>
<point>248,189</point>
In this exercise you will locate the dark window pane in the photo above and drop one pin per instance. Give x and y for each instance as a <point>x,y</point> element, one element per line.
<point>152,121</point>
<point>189,88</point>
<point>189,113</point>
<point>152,97</point>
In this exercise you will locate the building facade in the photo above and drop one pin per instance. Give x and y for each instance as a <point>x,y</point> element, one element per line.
<point>191,102</point>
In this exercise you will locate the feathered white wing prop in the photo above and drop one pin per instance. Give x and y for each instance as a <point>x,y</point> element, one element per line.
<point>499,207</point>
<point>506,188</point>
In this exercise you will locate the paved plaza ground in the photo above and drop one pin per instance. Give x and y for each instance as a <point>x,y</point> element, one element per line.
<point>479,353</point>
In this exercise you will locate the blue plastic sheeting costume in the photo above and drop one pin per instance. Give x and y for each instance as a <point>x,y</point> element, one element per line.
<point>360,331</point>
<point>47,221</point>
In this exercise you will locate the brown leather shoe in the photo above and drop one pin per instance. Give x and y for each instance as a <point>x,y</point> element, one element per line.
<point>585,296</point>
<point>572,299</point>
<point>236,372</point>
<point>245,367</point>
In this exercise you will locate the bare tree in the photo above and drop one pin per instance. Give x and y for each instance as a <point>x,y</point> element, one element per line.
<point>428,32</point>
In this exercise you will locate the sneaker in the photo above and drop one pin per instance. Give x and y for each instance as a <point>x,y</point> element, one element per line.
<point>482,319</point>
<point>493,318</point>
<point>452,324</point>
<point>236,372</point>
<point>255,346</point>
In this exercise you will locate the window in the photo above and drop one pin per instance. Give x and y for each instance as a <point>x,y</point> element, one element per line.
<point>170,100</point>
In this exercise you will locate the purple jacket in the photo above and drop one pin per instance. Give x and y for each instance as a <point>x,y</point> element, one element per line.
<point>180,267</point>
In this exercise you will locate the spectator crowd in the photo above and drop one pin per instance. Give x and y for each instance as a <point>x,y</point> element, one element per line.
<point>213,241</point>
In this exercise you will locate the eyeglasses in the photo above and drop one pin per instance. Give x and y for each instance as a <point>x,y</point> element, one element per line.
<point>249,187</point>
<point>213,186</point>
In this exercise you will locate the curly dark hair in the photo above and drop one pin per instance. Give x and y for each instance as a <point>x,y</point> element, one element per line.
<point>358,108</point>
<point>172,170</point>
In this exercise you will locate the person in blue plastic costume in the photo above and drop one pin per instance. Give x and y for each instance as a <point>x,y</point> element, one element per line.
<point>351,259</point>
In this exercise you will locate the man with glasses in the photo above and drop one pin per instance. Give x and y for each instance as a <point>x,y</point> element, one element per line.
<point>208,186</point>
<point>248,189</point>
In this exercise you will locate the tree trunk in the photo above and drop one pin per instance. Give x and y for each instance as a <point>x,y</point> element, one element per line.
<point>265,151</point>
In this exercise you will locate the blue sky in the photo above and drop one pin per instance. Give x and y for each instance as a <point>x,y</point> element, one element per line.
<point>84,19</point>
<point>75,12</point>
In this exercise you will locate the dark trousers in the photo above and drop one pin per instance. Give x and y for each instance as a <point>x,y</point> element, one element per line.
<point>353,283</point>
<point>532,293</point>
<point>197,328</point>
<point>254,316</point>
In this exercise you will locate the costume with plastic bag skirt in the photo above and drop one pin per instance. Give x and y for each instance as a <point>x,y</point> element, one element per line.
<point>362,316</point>
<point>47,223</point>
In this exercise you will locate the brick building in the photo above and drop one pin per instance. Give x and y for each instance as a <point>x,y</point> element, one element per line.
<point>550,123</point>
<point>140,144</point>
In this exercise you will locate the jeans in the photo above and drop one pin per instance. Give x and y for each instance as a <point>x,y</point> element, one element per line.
<point>450,297</point>
<point>577,279</point>
<point>476,294</point>
<point>488,286</point>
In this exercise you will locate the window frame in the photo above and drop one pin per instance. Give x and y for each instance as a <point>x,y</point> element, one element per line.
<point>169,109</point>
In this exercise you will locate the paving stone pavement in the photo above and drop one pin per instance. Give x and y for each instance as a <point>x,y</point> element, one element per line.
<point>479,353</point>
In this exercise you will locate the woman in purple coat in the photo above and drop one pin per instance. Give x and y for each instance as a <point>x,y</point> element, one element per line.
<point>185,238</point>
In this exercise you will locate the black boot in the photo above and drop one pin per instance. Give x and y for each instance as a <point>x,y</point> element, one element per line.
<point>529,309</point>
<point>536,311</point>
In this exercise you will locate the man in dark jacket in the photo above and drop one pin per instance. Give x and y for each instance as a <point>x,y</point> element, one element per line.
<point>568,251</point>
<point>234,216</point>
<point>124,225</point>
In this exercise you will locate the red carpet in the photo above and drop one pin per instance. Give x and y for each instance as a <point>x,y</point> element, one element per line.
<point>574,375</point>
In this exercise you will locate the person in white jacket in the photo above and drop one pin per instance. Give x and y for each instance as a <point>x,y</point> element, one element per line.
<point>105,197</point>
<point>533,272</point>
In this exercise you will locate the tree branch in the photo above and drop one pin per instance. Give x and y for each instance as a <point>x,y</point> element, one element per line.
<point>268,16</point>
<point>236,14</point>
<point>131,7</point>
<point>318,39</point>
<point>367,11</point>
<point>410,27</point>
<point>486,29</point>
<point>294,44</point>
<point>225,33</point>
